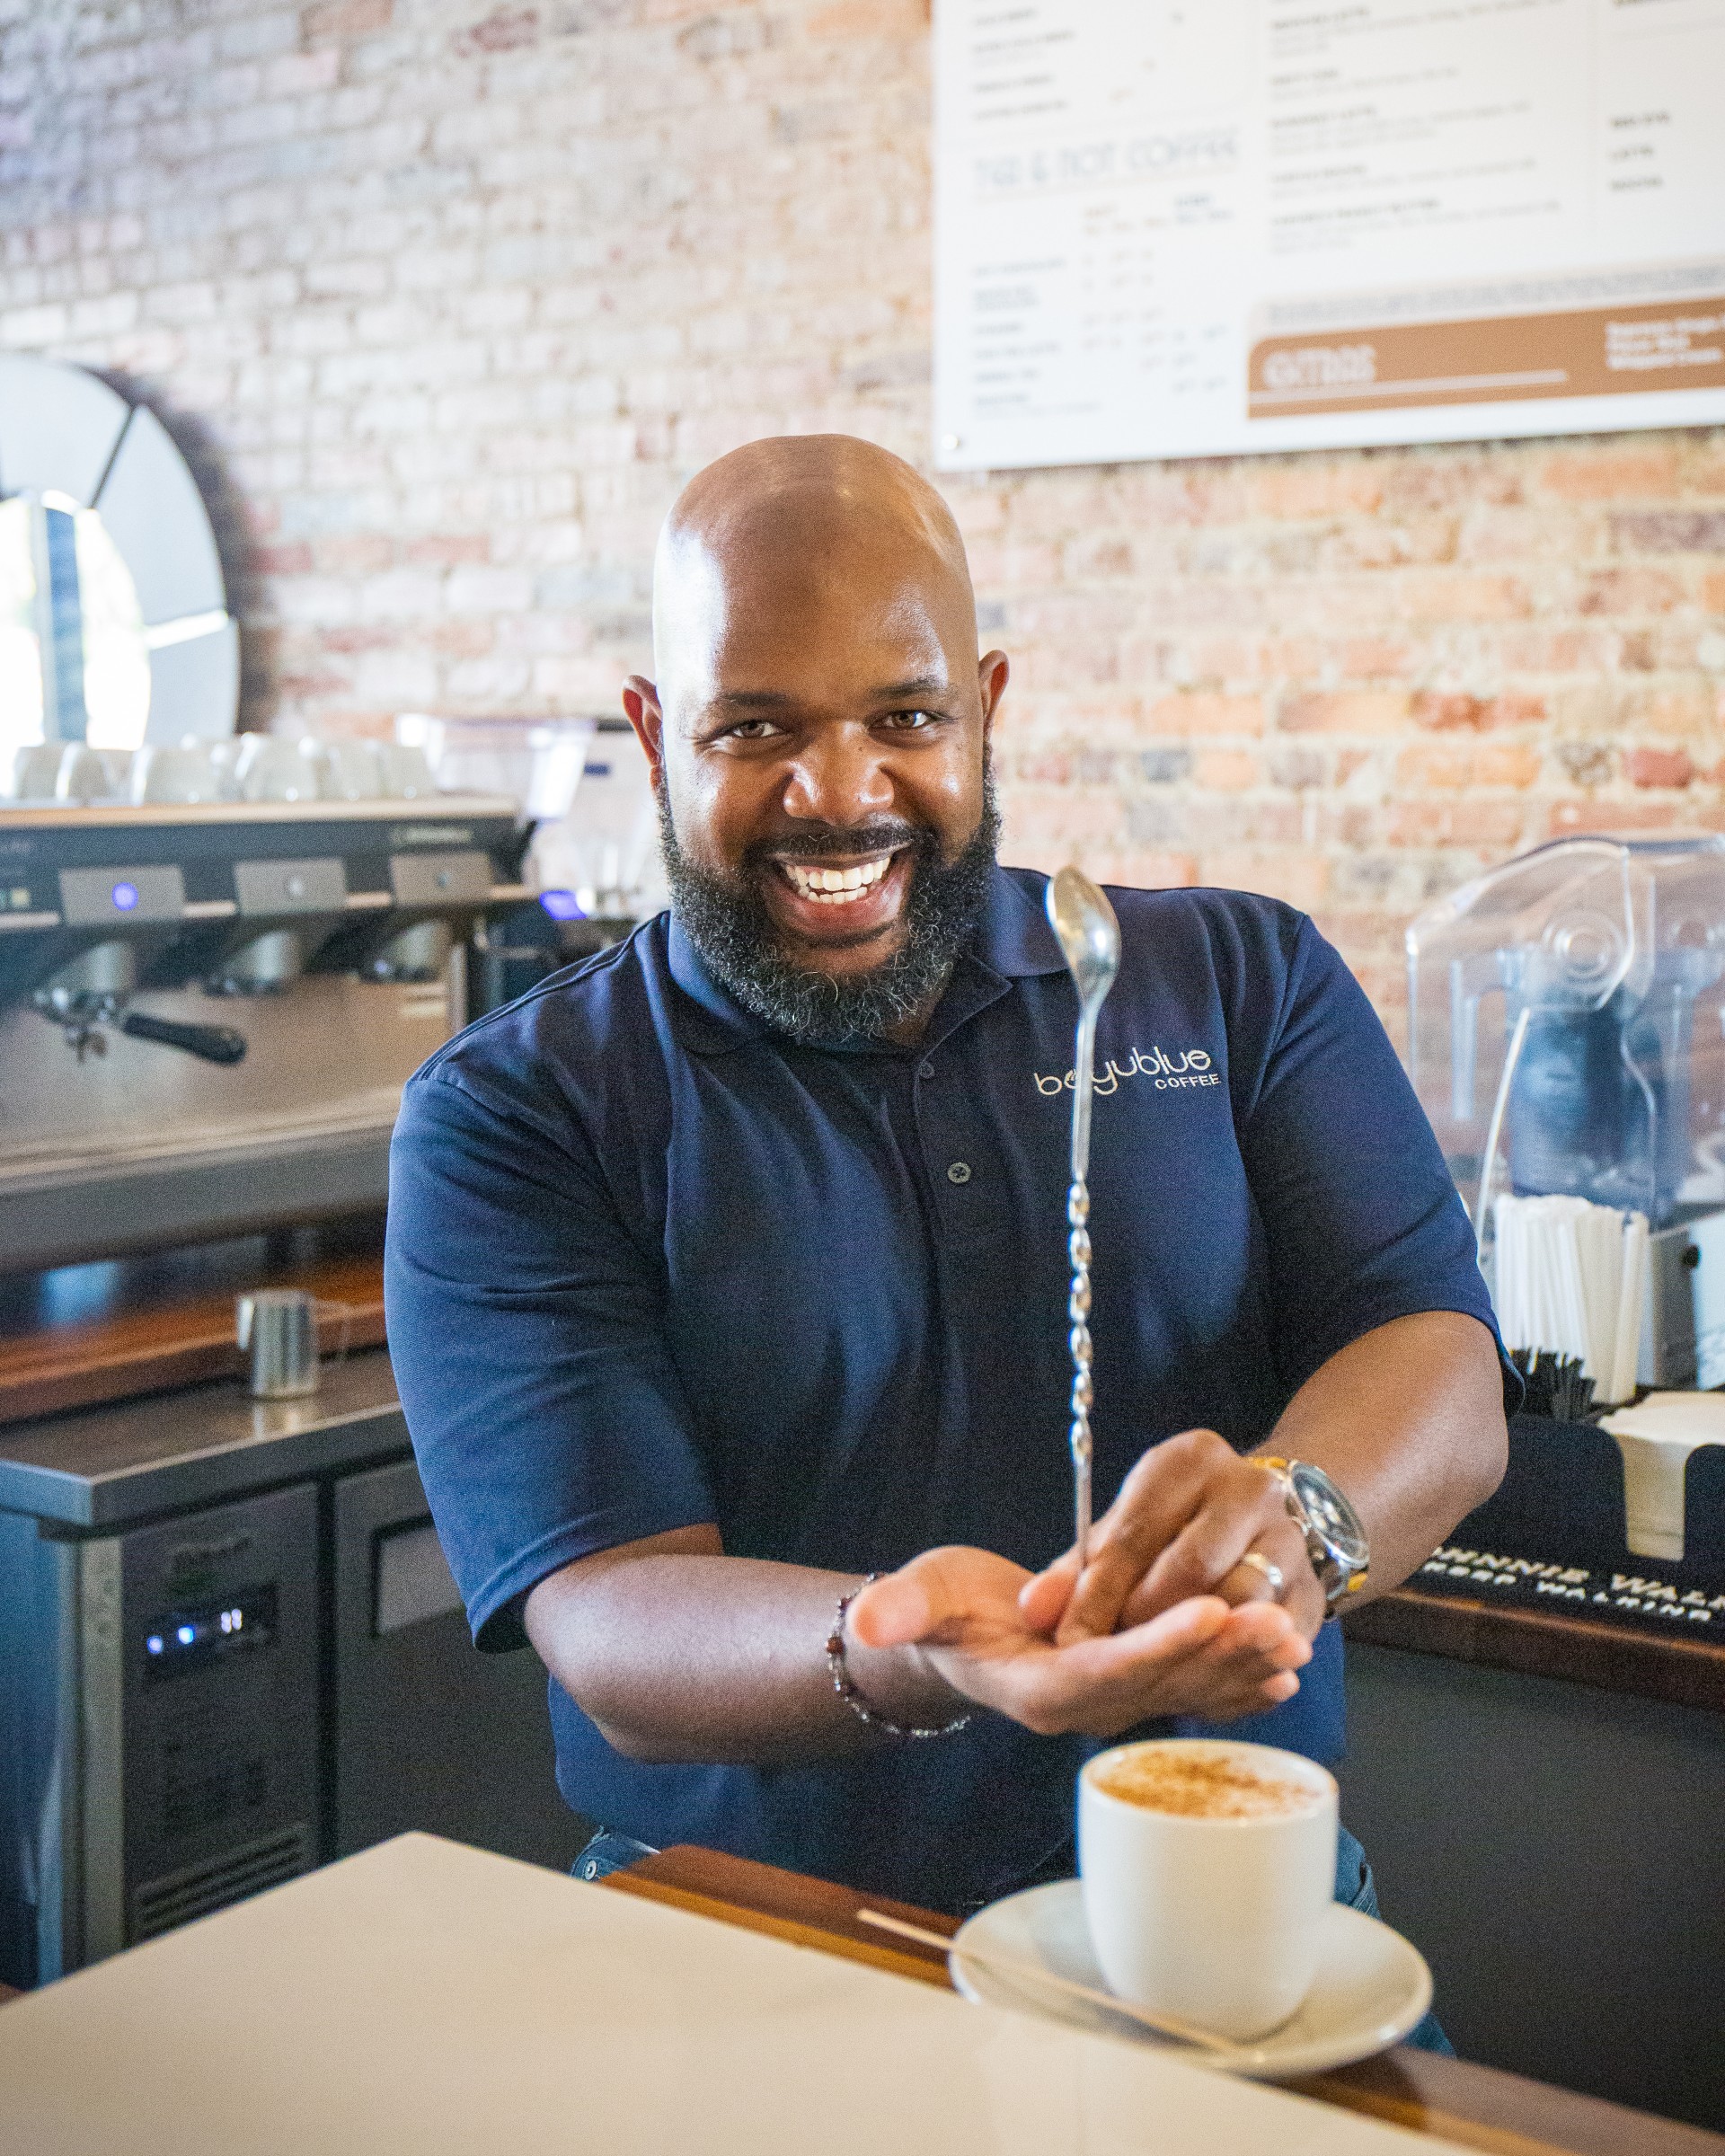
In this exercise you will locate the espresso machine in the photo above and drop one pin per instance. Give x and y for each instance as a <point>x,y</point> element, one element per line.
<point>230,1646</point>
<point>207,1009</point>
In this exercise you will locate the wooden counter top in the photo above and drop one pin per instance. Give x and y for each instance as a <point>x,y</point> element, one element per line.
<point>99,1333</point>
<point>1580,1650</point>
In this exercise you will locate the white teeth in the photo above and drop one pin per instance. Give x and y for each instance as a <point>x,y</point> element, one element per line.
<point>836,886</point>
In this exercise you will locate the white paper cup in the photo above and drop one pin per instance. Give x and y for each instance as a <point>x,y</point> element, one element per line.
<point>1655,1438</point>
<point>1213,1919</point>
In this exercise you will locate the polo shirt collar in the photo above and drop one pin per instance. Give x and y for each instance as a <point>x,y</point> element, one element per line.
<point>1013,941</point>
<point>718,1020</point>
<point>1013,938</point>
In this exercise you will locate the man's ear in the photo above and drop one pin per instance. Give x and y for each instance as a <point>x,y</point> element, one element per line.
<point>641,708</point>
<point>992,671</point>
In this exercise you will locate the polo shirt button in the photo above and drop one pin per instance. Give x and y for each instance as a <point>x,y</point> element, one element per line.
<point>925,1069</point>
<point>958,1172</point>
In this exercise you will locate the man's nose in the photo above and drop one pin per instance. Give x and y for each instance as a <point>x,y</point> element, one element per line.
<point>840,778</point>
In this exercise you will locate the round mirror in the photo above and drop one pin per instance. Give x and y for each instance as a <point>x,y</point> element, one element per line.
<point>114,627</point>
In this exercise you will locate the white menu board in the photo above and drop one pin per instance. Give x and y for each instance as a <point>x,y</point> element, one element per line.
<point>1190,228</point>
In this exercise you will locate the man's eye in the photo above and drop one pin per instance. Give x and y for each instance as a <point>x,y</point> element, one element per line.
<point>751,729</point>
<point>912,722</point>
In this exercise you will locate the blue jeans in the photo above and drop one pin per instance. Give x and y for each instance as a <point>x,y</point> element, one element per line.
<point>610,1852</point>
<point>607,1853</point>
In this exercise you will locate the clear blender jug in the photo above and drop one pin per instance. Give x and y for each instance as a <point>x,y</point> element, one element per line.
<point>1566,1038</point>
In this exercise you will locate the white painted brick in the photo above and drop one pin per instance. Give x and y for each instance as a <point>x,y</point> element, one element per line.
<point>296,73</point>
<point>407,680</point>
<point>252,34</point>
<point>475,589</point>
<point>400,594</point>
<point>474,683</point>
<point>29,329</point>
<point>98,318</point>
<point>319,602</point>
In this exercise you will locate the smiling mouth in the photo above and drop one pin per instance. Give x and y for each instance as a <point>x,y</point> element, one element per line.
<point>827,886</point>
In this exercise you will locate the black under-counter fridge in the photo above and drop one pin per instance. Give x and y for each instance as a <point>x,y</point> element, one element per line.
<point>230,1651</point>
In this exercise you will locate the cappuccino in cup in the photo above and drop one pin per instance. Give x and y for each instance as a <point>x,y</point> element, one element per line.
<point>1207,1870</point>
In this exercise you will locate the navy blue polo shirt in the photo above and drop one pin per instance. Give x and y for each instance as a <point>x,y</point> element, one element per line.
<point>652,1265</point>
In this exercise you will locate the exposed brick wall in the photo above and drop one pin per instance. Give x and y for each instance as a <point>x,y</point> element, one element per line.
<point>452,299</point>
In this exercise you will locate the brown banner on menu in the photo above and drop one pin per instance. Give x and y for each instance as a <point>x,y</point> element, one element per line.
<point>1599,351</point>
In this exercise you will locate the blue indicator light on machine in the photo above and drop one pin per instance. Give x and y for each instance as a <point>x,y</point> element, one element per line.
<point>125,896</point>
<point>154,1643</point>
<point>561,905</point>
<point>185,1635</point>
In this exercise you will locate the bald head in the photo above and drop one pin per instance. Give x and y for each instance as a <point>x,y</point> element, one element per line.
<point>818,733</point>
<point>787,526</point>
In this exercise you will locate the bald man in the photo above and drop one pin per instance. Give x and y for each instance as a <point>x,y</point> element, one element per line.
<point>727,1269</point>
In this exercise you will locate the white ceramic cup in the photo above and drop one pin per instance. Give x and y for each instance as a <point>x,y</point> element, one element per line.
<point>84,774</point>
<point>350,771</point>
<point>181,773</point>
<point>35,770</point>
<point>270,768</point>
<point>404,773</point>
<point>1210,1918</point>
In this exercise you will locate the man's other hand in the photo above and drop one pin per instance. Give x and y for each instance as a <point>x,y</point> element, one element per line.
<point>1184,1519</point>
<point>964,1612</point>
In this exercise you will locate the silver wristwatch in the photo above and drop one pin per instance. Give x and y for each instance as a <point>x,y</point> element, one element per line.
<point>1335,1537</point>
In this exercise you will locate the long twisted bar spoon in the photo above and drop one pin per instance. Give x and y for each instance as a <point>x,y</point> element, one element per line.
<point>1089,936</point>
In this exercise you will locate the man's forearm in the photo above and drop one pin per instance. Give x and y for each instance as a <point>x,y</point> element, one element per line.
<point>679,1653</point>
<point>1408,1420</point>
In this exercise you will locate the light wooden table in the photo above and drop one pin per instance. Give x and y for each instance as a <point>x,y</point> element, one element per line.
<point>421,1999</point>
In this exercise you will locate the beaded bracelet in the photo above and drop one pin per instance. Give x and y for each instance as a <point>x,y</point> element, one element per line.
<point>852,1698</point>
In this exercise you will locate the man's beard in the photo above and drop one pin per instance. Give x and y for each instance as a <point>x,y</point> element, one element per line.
<point>726,918</point>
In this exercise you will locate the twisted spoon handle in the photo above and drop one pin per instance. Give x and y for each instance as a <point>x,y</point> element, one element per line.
<point>1089,936</point>
<point>1083,1389</point>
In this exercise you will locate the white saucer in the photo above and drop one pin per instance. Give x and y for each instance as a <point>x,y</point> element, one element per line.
<point>1371,1989</point>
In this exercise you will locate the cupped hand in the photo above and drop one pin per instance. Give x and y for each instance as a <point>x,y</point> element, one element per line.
<point>1185,1517</point>
<point>963,1611</point>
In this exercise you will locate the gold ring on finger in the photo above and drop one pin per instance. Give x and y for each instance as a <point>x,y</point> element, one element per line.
<point>1274,1577</point>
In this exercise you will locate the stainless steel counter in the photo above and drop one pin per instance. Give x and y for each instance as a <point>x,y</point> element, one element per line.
<point>113,1466</point>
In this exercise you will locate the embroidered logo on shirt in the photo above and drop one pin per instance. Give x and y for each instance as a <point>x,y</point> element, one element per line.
<point>1165,1072</point>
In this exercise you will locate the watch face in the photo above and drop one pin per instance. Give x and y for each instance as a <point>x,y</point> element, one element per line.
<point>1331,1515</point>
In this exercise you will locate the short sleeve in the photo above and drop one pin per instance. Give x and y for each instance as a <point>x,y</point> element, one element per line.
<point>1362,1221</point>
<point>526,1331</point>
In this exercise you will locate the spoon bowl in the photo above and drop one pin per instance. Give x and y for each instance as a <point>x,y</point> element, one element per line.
<point>1088,934</point>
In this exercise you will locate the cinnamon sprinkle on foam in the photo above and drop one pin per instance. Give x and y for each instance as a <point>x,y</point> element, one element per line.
<point>1203,1785</point>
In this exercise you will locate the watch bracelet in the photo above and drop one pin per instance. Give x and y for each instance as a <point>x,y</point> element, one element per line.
<point>1338,1584</point>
